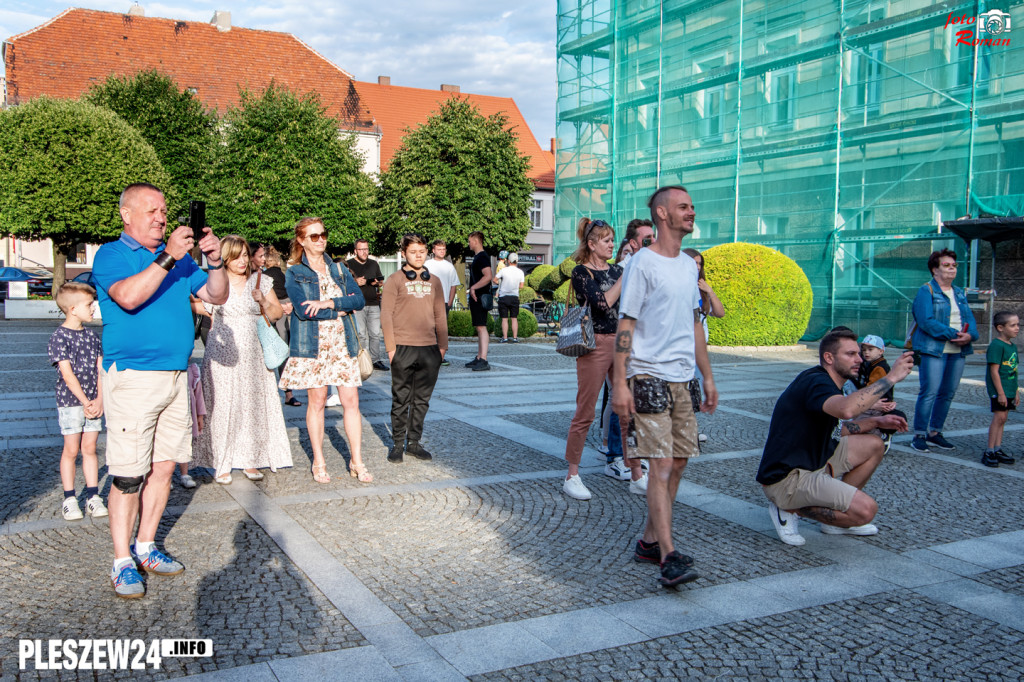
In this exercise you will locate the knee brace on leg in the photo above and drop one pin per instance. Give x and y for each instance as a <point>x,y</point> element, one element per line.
<point>129,485</point>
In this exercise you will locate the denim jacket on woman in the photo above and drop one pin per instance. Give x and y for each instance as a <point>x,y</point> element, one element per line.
<point>302,284</point>
<point>931,314</point>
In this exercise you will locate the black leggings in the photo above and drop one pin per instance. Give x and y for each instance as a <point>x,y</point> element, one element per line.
<point>413,375</point>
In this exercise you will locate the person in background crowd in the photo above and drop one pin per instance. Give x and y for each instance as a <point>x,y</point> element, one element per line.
<point>1001,384</point>
<point>639,233</point>
<point>244,427</point>
<point>368,276</point>
<point>597,284</point>
<point>323,342</point>
<point>148,336</point>
<point>438,265</point>
<point>509,280</point>
<point>943,332</point>
<point>275,271</point>
<point>479,284</point>
<point>415,327</point>
<point>710,306</point>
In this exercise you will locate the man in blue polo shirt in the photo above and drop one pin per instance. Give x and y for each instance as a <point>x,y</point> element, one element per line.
<point>143,288</point>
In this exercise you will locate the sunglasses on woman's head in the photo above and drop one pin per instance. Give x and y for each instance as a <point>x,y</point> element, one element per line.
<point>317,236</point>
<point>592,225</point>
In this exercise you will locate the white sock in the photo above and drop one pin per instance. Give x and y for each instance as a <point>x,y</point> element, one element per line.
<point>119,564</point>
<point>143,548</point>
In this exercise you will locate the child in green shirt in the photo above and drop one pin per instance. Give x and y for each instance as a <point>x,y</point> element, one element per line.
<point>1001,383</point>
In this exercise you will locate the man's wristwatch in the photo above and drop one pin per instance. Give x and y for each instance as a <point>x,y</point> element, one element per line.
<point>165,260</point>
<point>218,266</point>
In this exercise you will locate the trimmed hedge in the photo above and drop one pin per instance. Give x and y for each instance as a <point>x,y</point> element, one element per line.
<point>460,323</point>
<point>527,324</point>
<point>767,297</point>
<point>566,268</point>
<point>562,292</point>
<point>527,295</point>
<point>538,274</point>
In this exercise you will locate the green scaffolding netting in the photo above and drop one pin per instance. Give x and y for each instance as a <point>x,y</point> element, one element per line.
<point>840,133</point>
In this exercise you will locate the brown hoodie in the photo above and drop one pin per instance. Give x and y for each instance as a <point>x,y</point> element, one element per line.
<point>412,312</point>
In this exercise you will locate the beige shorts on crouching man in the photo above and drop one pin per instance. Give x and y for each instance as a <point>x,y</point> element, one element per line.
<point>822,488</point>
<point>668,434</point>
<point>148,420</point>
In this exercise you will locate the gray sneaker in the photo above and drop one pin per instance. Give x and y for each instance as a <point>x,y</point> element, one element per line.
<point>157,562</point>
<point>128,584</point>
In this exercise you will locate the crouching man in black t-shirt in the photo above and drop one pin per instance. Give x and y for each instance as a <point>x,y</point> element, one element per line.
<point>803,471</point>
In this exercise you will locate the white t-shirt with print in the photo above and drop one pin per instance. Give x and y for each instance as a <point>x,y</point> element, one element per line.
<point>509,279</point>
<point>661,294</point>
<point>445,272</point>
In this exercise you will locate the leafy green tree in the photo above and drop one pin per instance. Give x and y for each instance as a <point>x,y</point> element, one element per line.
<point>173,121</point>
<point>283,159</point>
<point>458,172</point>
<point>63,164</point>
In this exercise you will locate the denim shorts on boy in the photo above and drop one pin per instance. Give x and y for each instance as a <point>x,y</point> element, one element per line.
<point>668,434</point>
<point>72,420</point>
<point>822,488</point>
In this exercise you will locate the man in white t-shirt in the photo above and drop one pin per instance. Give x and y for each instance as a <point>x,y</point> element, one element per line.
<point>443,269</point>
<point>656,354</point>
<point>510,279</point>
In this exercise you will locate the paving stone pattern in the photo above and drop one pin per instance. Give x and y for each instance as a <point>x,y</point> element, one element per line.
<point>476,565</point>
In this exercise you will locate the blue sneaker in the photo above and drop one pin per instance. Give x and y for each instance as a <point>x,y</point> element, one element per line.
<point>128,584</point>
<point>157,562</point>
<point>920,444</point>
<point>941,443</point>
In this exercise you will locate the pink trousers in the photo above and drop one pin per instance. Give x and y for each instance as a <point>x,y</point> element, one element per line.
<point>591,370</point>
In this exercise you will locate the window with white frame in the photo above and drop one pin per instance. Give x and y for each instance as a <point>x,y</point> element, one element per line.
<point>537,214</point>
<point>781,89</point>
<point>866,74</point>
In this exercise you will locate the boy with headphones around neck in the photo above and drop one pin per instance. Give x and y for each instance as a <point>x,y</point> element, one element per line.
<point>415,327</point>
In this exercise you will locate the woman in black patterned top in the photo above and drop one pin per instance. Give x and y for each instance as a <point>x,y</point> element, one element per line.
<point>597,284</point>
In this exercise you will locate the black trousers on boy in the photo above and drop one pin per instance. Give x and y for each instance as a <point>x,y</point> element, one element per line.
<point>413,375</point>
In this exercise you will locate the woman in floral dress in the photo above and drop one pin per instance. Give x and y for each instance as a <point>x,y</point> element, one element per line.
<point>244,427</point>
<point>323,342</point>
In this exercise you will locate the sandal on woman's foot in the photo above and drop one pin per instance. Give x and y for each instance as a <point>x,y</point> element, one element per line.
<point>320,473</point>
<point>359,472</point>
<point>253,475</point>
<point>293,402</point>
<point>223,479</point>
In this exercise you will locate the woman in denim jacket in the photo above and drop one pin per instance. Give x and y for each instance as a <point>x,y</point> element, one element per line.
<point>323,342</point>
<point>945,328</point>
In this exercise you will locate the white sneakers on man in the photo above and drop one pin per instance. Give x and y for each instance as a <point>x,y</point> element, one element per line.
<point>617,469</point>
<point>866,529</point>
<point>639,486</point>
<point>574,488</point>
<point>786,525</point>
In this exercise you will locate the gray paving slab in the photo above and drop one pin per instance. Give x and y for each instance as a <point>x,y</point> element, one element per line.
<point>585,630</point>
<point>259,672</point>
<point>364,664</point>
<point>491,648</point>
<point>665,615</point>
<point>984,552</point>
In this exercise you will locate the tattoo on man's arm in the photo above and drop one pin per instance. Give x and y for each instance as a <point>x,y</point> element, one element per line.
<point>882,386</point>
<point>820,514</point>
<point>853,427</point>
<point>623,341</point>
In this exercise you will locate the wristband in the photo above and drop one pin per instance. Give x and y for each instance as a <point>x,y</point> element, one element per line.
<point>165,260</point>
<point>218,266</point>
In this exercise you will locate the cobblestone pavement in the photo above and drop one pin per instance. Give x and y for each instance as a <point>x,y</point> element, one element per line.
<point>477,566</point>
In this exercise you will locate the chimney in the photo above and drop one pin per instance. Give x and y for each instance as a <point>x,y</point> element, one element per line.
<point>553,145</point>
<point>136,10</point>
<point>449,88</point>
<point>222,20</point>
<point>383,80</point>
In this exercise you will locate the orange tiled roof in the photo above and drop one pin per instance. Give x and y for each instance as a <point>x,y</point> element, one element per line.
<point>80,48</point>
<point>395,108</point>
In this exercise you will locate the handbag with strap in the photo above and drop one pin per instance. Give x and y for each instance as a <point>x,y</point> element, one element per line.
<point>275,350</point>
<point>576,333</point>
<point>363,358</point>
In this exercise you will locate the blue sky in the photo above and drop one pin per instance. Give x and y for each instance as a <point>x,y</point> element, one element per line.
<point>490,48</point>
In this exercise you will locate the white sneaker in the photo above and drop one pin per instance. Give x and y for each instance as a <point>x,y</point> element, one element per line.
<point>617,470</point>
<point>866,529</point>
<point>71,510</point>
<point>574,488</point>
<point>645,465</point>
<point>96,508</point>
<point>786,525</point>
<point>333,400</point>
<point>702,438</point>
<point>187,481</point>
<point>639,486</point>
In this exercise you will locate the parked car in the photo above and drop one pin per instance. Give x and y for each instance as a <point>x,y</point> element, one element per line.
<point>39,281</point>
<point>85,278</point>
